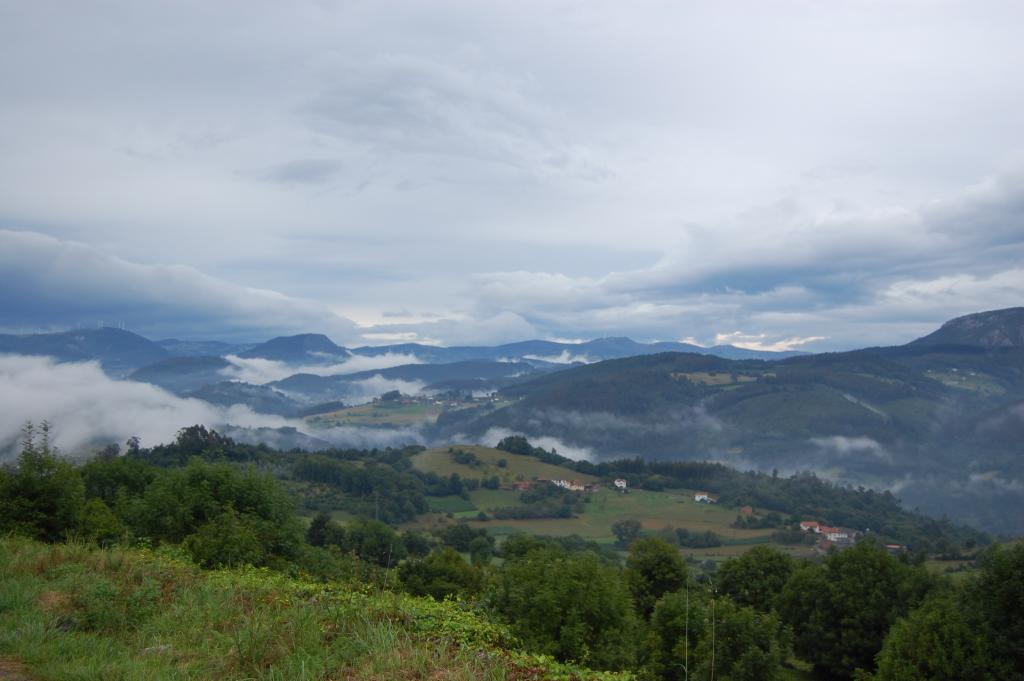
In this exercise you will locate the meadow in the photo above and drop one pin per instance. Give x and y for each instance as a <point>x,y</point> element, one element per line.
<point>655,510</point>
<point>378,414</point>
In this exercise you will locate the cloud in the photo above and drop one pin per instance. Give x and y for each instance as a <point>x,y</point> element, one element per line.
<point>48,282</point>
<point>494,435</point>
<point>259,371</point>
<point>564,357</point>
<point>432,113</point>
<point>500,327</point>
<point>86,407</point>
<point>310,171</point>
<point>852,447</point>
<point>760,342</point>
<point>659,171</point>
<point>359,392</point>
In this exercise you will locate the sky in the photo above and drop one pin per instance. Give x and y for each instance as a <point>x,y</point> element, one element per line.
<point>776,175</point>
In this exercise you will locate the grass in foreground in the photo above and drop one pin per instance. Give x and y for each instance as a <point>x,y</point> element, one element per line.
<point>71,612</point>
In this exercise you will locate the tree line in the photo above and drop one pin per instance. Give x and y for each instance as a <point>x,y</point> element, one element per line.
<point>857,614</point>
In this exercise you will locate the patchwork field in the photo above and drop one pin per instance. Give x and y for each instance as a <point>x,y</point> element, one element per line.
<point>379,414</point>
<point>654,510</point>
<point>517,466</point>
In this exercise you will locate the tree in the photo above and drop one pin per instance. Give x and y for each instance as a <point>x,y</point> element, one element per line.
<point>417,544</point>
<point>999,595</point>
<point>694,629</point>
<point>99,524</point>
<point>374,541</point>
<point>972,630</point>
<point>742,645</point>
<point>443,573</point>
<point>938,641</point>
<point>677,626</point>
<point>225,541</point>
<point>460,536</point>
<point>756,578</point>
<point>44,495</point>
<point>653,568</point>
<point>181,501</point>
<point>480,551</point>
<point>841,610</point>
<point>626,531</point>
<point>571,606</point>
<point>325,532</point>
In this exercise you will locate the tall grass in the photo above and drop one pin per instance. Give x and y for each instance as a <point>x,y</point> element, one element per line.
<point>73,612</point>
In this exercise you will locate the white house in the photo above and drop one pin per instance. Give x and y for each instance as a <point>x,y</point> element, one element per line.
<point>620,483</point>
<point>704,498</point>
<point>835,533</point>
<point>571,485</point>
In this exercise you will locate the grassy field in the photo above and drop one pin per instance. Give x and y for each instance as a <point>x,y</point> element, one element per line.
<point>654,510</point>
<point>70,612</point>
<point>518,466</point>
<point>379,414</point>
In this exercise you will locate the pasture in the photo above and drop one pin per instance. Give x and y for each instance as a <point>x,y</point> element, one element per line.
<point>654,510</point>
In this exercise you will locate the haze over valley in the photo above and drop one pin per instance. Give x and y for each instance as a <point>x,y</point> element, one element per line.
<point>520,341</point>
<point>935,421</point>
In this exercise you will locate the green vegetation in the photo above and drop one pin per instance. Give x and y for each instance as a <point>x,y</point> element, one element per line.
<point>159,561</point>
<point>918,414</point>
<point>382,414</point>
<point>570,605</point>
<point>441,462</point>
<point>71,612</point>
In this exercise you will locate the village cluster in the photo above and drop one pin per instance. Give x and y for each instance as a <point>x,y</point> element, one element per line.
<point>829,537</point>
<point>571,485</point>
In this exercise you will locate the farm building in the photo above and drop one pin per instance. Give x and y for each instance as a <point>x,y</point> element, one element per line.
<point>704,498</point>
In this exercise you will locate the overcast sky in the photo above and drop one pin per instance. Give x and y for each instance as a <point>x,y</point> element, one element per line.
<point>812,175</point>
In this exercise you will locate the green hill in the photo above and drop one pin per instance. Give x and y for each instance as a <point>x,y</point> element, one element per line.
<point>656,511</point>
<point>517,466</point>
<point>71,612</point>
<point>937,422</point>
<point>992,329</point>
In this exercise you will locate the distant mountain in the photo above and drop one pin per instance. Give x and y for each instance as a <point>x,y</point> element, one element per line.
<point>306,348</point>
<point>942,423</point>
<point>993,329</point>
<point>180,348</point>
<point>563,353</point>
<point>119,352</point>
<point>183,374</point>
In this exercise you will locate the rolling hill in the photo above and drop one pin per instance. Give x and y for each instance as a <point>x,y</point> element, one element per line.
<point>563,353</point>
<point>306,348</point>
<point>992,329</point>
<point>119,352</point>
<point>939,423</point>
<point>182,374</point>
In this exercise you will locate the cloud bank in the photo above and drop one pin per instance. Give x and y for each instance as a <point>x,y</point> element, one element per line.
<point>87,409</point>
<point>48,282</point>
<point>657,170</point>
<point>259,371</point>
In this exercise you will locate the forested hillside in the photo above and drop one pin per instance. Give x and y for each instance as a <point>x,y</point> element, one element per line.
<point>329,601</point>
<point>937,423</point>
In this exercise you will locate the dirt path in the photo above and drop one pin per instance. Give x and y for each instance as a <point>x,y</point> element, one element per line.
<point>12,670</point>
